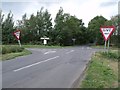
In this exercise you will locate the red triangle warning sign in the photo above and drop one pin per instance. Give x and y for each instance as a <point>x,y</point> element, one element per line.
<point>107,31</point>
<point>17,34</point>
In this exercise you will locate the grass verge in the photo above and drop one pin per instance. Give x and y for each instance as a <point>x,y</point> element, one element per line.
<point>13,55</point>
<point>102,72</point>
<point>12,51</point>
<point>43,46</point>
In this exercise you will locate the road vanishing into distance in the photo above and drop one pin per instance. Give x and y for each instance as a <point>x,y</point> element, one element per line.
<point>46,68</point>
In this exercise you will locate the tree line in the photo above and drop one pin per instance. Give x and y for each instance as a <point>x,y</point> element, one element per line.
<point>67,29</point>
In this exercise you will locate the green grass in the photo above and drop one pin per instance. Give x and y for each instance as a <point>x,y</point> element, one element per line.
<point>111,54</point>
<point>102,72</point>
<point>11,49</point>
<point>40,46</point>
<point>13,55</point>
<point>102,47</point>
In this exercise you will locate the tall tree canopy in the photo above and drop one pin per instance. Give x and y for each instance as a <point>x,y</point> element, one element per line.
<point>94,29</point>
<point>1,23</point>
<point>35,27</point>
<point>114,21</point>
<point>7,29</point>
<point>67,28</point>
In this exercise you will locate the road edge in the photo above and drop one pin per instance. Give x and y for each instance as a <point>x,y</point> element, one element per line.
<point>80,78</point>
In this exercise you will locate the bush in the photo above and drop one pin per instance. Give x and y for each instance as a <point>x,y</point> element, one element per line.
<point>111,55</point>
<point>11,49</point>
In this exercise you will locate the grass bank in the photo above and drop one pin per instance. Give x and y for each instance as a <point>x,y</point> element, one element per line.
<point>40,46</point>
<point>102,71</point>
<point>12,51</point>
<point>14,55</point>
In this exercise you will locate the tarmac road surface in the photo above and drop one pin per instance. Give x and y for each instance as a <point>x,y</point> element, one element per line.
<point>46,68</point>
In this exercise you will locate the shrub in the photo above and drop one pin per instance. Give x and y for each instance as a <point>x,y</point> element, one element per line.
<point>111,55</point>
<point>11,49</point>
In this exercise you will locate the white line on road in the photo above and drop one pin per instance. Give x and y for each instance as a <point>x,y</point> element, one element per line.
<point>49,52</point>
<point>35,64</point>
<point>69,51</point>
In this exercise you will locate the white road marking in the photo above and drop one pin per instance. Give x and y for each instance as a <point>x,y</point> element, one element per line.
<point>35,64</point>
<point>69,51</point>
<point>82,47</point>
<point>49,52</point>
<point>89,48</point>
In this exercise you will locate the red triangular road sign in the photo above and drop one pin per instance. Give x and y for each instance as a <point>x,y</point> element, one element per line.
<point>17,34</point>
<point>107,31</point>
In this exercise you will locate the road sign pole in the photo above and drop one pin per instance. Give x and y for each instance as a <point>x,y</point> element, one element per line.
<point>19,43</point>
<point>108,43</point>
<point>105,45</point>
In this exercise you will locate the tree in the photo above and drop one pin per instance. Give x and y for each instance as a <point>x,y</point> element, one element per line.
<point>23,26</point>
<point>1,22</point>
<point>58,27</point>
<point>35,27</point>
<point>68,27</point>
<point>43,24</point>
<point>94,29</point>
<point>115,21</point>
<point>8,29</point>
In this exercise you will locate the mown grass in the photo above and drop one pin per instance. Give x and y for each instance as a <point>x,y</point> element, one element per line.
<point>102,47</point>
<point>40,46</point>
<point>11,49</point>
<point>102,71</point>
<point>14,55</point>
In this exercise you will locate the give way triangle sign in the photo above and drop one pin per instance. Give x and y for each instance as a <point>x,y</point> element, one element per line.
<point>107,31</point>
<point>17,34</point>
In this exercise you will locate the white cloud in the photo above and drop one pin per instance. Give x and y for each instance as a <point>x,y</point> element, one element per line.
<point>82,9</point>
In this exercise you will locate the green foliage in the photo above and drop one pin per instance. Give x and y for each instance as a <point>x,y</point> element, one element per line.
<point>66,28</point>
<point>11,49</point>
<point>99,74</point>
<point>35,27</point>
<point>111,55</point>
<point>9,56</point>
<point>94,29</point>
<point>7,29</point>
<point>69,27</point>
<point>114,21</point>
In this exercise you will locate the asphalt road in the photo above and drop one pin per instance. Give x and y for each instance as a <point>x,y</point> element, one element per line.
<point>46,68</point>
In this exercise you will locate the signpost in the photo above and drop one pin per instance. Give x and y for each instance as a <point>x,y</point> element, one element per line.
<point>73,41</point>
<point>44,40</point>
<point>107,32</point>
<point>17,35</point>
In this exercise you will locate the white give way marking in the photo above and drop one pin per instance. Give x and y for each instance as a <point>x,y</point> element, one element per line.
<point>49,52</point>
<point>69,51</point>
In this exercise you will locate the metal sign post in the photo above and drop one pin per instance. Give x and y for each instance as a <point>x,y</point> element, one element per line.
<point>73,41</point>
<point>108,44</point>
<point>19,43</point>
<point>44,40</point>
<point>105,45</point>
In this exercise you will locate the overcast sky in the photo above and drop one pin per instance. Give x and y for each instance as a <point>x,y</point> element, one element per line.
<point>82,9</point>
